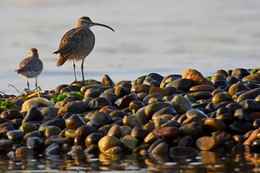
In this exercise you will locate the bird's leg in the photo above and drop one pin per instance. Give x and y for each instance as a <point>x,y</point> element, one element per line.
<point>27,80</point>
<point>73,65</point>
<point>36,82</point>
<point>82,72</point>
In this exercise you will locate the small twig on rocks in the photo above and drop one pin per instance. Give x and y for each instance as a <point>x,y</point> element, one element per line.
<point>15,88</point>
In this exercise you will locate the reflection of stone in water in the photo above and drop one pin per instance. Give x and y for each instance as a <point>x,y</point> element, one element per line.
<point>208,157</point>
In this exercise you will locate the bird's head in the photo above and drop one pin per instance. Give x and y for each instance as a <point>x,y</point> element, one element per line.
<point>87,22</point>
<point>33,52</point>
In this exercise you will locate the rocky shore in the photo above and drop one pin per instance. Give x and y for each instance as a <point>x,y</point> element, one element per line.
<point>177,115</point>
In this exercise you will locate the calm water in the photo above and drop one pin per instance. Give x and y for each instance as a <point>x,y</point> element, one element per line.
<point>205,161</point>
<point>166,37</point>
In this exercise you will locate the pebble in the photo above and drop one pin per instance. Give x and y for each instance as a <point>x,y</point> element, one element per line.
<point>176,116</point>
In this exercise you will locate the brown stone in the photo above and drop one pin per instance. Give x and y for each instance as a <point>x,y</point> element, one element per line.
<point>196,77</point>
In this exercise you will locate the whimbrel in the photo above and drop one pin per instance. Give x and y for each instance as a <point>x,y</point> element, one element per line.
<point>31,67</point>
<point>77,44</point>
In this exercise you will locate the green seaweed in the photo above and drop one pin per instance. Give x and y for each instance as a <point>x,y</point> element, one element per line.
<point>253,71</point>
<point>4,105</point>
<point>62,96</point>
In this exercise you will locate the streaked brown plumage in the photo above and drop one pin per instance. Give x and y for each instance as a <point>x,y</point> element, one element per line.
<point>77,44</point>
<point>31,67</point>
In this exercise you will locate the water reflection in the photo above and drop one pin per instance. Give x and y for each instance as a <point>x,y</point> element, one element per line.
<point>205,161</point>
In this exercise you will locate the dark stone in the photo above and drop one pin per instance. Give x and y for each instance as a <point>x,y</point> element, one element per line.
<point>98,103</point>
<point>99,119</point>
<point>52,149</point>
<point>183,153</point>
<point>34,142</point>
<point>186,141</point>
<point>34,114</point>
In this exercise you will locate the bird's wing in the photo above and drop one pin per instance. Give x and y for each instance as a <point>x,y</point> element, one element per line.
<point>68,41</point>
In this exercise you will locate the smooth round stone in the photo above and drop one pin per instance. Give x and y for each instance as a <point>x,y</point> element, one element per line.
<point>181,104</point>
<point>195,129</point>
<point>6,143</point>
<point>240,128</point>
<point>197,88</point>
<point>84,131</point>
<point>201,95</point>
<point>15,135</point>
<point>169,78</point>
<point>55,139</point>
<point>108,109</point>
<point>151,81</point>
<point>242,115</point>
<point>166,110</point>
<point>226,118</point>
<point>213,124</point>
<point>237,87</point>
<point>221,97</point>
<point>83,89</point>
<point>221,84</point>
<point>125,130</point>
<point>51,131</point>
<point>180,84</point>
<point>107,81</point>
<point>110,96</point>
<point>117,115</point>
<point>76,151</point>
<point>10,114</point>
<point>52,149</point>
<point>136,105</point>
<point>233,107</point>
<point>163,117</point>
<point>149,126</point>
<point>28,127</point>
<point>35,102</point>
<point>34,142</point>
<point>239,138</point>
<point>221,137</point>
<point>152,98</point>
<point>183,152</point>
<point>107,142</point>
<point>218,76</point>
<point>99,119</point>
<point>24,151</point>
<point>196,112</point>
<point>162,91</point>
<point>252,94</point>
<point>98,103</point>
<point>114,131</point>
<point>141,115</point>
<point>186,141</point>
<point>139,133</point>
<point>129,142</point>
<point>5,127</point>
<point>155,76</point>
<point>168,133</point>
<point>159,147</point>
<point>34,114</point>
<point>256,123</point>
<point>196,77</point>
<point>252,77</point>
<point>124,101</point>
<point>74,122</point>
<point>150,138</point>
<point>250,105</point>
<point>141,88</point>
<point>121,91</point>
<point>91,92</point>
<point>93,138</point>
<point>49,112</point>
<point>224,72</point>
<point>240,72</point>
<point>69,133</point>
<point>58,122</point>
<point>206,143</point>
<point>30,134</point>
<point>222,110</point>
<point>73,107</point>
<point>132,121</point>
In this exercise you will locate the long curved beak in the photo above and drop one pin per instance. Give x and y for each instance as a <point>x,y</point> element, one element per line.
<point>99,24</point>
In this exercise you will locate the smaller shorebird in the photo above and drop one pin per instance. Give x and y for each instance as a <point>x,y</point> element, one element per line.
<point>77,44</point>
<point>31,67</point>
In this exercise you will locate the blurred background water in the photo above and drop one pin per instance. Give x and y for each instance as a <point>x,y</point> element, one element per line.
<point>166,37</point>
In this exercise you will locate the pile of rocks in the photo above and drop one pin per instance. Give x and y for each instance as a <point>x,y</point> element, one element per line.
<point>176,115</point>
